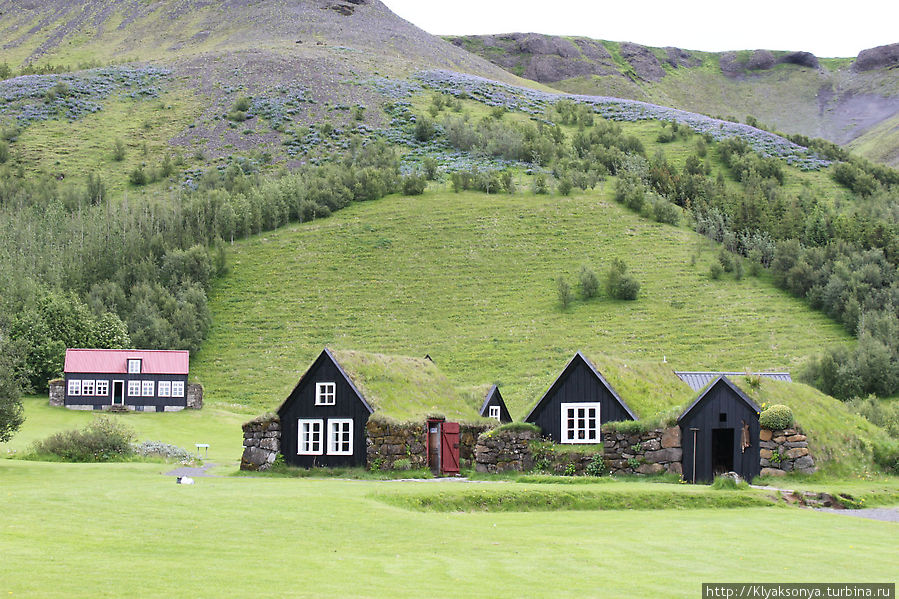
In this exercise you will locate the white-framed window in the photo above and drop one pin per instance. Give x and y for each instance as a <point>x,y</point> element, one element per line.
<point>102,388</point>
<point>133,388</point>
<point>74,387</point>
<point>340,436</point>
<point>309,437</point>
<point>134,365</point>
<point>147,388</point>
<point>494,413</point>
<point>580,423</point>
<point>177,388</point>
<point>164,388</point>
<point>87,387</point>
<point>325,394</point>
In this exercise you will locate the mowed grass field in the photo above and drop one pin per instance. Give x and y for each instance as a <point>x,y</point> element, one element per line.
<point>470,280</point>
<point>124,530</point>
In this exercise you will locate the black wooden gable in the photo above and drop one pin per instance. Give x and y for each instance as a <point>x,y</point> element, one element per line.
<point>495,398</point>
<point>311,374</point>
<point>695,406</point>
<point>580,382</point>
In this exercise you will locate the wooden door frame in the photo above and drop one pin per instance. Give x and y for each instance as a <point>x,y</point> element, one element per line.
<point>114,383</point>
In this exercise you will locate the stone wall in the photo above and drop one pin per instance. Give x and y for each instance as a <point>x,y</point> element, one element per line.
<point>783,451</point>
<point>388,442</point>
<point>194,396</point>
<point>261,443</point>
<point>501,451</point>
<point>651,452</point>
<point>57,392</point>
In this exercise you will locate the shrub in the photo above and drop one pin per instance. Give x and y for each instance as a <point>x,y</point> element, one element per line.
<point>776,417</point>
<point>886,455</point>
<point>138,177</point>
<point>118,150</point>
<point>597,466</point>
<point>565,186</point>
<point>563,292</point>
<point>424,128</point>
<point>242,104</point>
<point>158,449</point>
<point>414,185</point>
<point>664,211</point>
<point>103,440</point>
<point>588,283</point>
<point>430,166</point>
<point>726,260</point>
<point>4,152</point>
<point>540,187</point>
<point>619,284</point>
<point>715,271</point>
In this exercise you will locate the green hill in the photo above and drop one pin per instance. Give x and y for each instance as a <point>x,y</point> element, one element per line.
<point>470,280</point>
<point>852,102</point>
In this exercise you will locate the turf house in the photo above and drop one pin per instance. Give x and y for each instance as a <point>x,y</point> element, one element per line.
<point>720,433</point>
<point>577,404</point>
<point>131,379</point>
<point>495,407</point>
<point>363,409</point>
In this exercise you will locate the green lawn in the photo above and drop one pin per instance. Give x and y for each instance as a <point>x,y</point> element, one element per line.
<point>470,280</point>
<point>124,530</point>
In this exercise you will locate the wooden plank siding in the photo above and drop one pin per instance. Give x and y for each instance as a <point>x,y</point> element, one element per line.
<point>578,383</point>
<point>300,404</point>
<point>495,398</point>
<point>723,406</point>
<point>106,400</point>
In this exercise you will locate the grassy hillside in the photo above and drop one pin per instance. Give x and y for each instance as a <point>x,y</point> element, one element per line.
<point>470,280</point>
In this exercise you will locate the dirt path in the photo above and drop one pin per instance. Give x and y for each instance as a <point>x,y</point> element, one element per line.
<point>192,472</point>
<point>884,514</point>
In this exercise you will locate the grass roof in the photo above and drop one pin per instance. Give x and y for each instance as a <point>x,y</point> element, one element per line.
<point>405,388</point>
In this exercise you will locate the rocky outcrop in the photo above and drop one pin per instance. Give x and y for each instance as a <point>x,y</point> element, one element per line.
<point>877,58</point>
<point>760,60</point>
<point>783,451</point>
<point>643,60</point>
<point>803,59</point>
<point>261,443</point>
<point>679,58</point>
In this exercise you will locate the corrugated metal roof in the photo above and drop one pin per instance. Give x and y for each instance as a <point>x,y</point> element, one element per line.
<point>698,380</point>
<point>115,361</point>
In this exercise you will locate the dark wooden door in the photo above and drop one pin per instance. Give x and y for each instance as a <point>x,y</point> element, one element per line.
<point>449,448</point>
<point>434,446</point>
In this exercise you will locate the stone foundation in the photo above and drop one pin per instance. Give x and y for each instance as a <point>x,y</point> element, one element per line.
<point>783,451</point>
<point>261,443</point>
<point>501,451</point>
<point>57,392</point>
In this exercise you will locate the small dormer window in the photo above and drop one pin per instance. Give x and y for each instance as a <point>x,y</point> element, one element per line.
<point>134,365</point>
<point>325,394</point>
<point>494,413</point>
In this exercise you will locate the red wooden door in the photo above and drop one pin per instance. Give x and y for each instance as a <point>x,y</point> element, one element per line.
<point>449,447</point>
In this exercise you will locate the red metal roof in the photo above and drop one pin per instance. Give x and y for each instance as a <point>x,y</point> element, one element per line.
<point>115,361</point>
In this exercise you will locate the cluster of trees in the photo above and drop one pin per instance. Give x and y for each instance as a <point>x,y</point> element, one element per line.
<point>78,271</point>
<point>618,284</point>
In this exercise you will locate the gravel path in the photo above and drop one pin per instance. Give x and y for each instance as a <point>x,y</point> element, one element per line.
<point>192,472</point>
<point>882,514</point>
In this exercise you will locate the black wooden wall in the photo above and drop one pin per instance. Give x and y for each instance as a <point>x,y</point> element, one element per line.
<point>98,402</point>
<point>496,399</point>
<point>301,404</point>
<point>578,384</point>
<point>706,416</point>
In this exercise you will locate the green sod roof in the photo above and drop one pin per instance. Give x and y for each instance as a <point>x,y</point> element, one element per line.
<point>405,388</point>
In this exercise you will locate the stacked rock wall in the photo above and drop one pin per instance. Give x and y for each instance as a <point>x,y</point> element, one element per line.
<point>194,396</point>
<point>57,392</point>
<point>392,441</point>
<point>501,451</point>
<point>783,451</point>
<point>261,443</point>
<point>651,452</point>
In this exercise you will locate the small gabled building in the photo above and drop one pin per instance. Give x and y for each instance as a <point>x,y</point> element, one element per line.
<point>134,379</point>
<point>578,403</point>
<point>324,421</point>
<point>720,433</point>
<point>495,407</point>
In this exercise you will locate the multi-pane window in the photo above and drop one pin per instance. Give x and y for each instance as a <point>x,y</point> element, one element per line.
<point>74,387</point>
<point>103,388</point>
<point>177,388</point>
<point>309,437</point>
<point>164,388</point>
<point>133,388</point>
<point>580,423</point>
<point>147,388</point>
<point>325,394</point>
<point>340,436</point>
<point>133,365</point>
<point>87,387</point>
<point>494,412</point>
